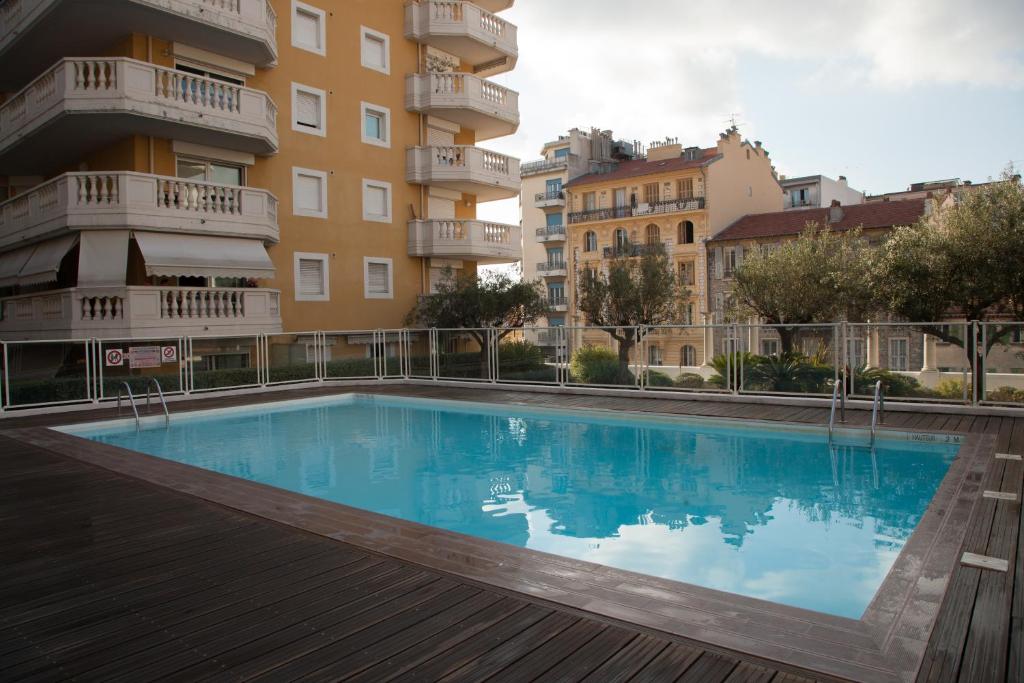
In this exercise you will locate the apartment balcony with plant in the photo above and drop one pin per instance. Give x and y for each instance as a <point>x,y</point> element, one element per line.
<point>486,43</point>
<point>80,105</point>
<point>245,30</point>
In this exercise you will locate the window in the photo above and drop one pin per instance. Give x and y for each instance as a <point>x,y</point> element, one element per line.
<point>654,355</point>
<point>688,356</point>
<point>589,201</point>
<point>553,220</point>
<point>651,193</point>
<point>898,356</point>
<point>620,197</point>
<point>553,188</point>
<point>562,153</point>
<point>687,273</point>
<point>376,201</point>
<point>556,322</point>
<point>312,282</point>
<point>210,171</point>
<point>653,234</point>
<point>377,278</point>
<point>556,257</point>
<point>308,110</point>
<point>621,240</point>
<point>798,197</point>
<point>590,241</point>
<point>375,50</point>
<point>556,294</point>
<point>309,193</point>
<point>855,351</point>
<point>686,232</point>
<point>769,347</point>
<point>376,125</point>
<point>688,315</point>
<point>731,262</point>
<point>309,27</point>
<point>685,188</point>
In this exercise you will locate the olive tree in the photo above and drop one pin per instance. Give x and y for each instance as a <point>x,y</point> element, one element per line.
<point>640,287</point>
<point>821,276</point>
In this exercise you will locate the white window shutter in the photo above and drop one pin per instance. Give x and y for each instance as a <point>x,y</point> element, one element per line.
<point>373,51</point>
<point>719,264</point>
<point>311,277</point>
<point>309,193</point>
<point>378,280</point>
<point>307,29</point>
<point>376,201</point>
<point>739,255</point>
<point>308,109</point>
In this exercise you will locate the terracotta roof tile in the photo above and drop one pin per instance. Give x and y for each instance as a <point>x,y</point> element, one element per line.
<point>642,167</point>
<point>784,223</point>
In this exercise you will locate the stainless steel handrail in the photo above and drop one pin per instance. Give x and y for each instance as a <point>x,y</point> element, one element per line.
<point>153,381</point>
<point>877,410</point>
<point>131,399</point>
<point>832,414</point>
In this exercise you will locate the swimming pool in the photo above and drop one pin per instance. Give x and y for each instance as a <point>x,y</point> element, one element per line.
<point>770,512</point>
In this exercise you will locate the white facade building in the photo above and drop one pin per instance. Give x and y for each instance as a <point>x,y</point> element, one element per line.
<point>817,192</point>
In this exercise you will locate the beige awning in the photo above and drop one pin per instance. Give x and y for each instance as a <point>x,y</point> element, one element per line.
<point>44,263</point>
<point>201,256</point>
<point>11,264</point>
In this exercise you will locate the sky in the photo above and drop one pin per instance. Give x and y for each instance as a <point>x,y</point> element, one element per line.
<point>885,92</point>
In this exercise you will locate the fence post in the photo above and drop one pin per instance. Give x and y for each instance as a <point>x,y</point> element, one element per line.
<point>7,390</point>
<point>643,362</point>
<point>980,362</point>
<point>561,356</point>
<point>432,354</point>
<point>733,336</point>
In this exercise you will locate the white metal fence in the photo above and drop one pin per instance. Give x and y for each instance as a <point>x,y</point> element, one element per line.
<point>965,363</point>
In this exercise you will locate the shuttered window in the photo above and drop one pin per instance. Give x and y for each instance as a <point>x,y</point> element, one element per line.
<point>686,188</point>
<point>377,273</point>
<point>651,193</point>
<point>309,193</point>
<point>374,50</point>
<point>376,201</point>
<point>307,28</point>
<point>308,110</point>
<point>311,277</point>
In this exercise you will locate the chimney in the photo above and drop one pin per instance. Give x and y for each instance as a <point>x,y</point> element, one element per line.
<point>842,181</point>
<point>835,212</point>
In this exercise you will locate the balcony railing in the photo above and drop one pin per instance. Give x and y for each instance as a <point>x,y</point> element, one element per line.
<point>479,38</point>
<point>139,98</point>
<point>558,303</point>
<point>245,30</point>
<point>112,312</point>
<point>547,165</point>
<point>471,170</point>
<point>487,108</point>
<point>551,233</point>
<point>544,200</point>
<point>661,207</point>
<point>80,201</point>
<point>553,269</point>
<point>632,250</point>
<point>469,239</point>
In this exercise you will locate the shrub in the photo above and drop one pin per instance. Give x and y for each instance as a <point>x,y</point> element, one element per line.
<point>952,389</point>
<point>1006,395</point>
<point>520,354</point>
<point>598,365</point>
<point>893,383</point>
<point>653,378</point>
<point>723,363</point>
<point>787,372</point>
<point>545,374</point>
<point>689,380</point>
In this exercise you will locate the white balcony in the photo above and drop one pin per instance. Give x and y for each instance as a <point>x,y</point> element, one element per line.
<point>83,201</point>
<point>553,269</point>
<point>118,312</point>
<point>80,105</point>
<point>482,40</point>
<point>558,304</point>
<point>241,29</point>
<point>470,239</point>
<point>471,170</point>
<point>490,110</point>
<point>551,233</point>
<point>549,200</point>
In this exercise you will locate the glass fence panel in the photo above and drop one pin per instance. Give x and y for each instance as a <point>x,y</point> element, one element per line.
<point>523,359</point>
<point>224,362</point>
<point>1003,346</point>
<point>138,362</point>
<point>604,357</point>
<point>679,358</point>
<point>791,359</point>
<point>349,354</point>
<point>911,363</point>
<point>419,361</point>
<point>391,353</point>
<point>292,358</point>
<point>47,372</point>
<point>462,354</point>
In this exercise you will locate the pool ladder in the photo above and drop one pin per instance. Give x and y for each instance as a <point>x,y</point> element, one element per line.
<point>838,397</point>
<point>151,382</point>
<point>877,410</point>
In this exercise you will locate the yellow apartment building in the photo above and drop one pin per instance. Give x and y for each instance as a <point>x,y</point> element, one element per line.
<point>677,197</point>
<point>235,167</point>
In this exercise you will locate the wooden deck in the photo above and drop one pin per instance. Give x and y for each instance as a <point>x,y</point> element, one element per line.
<point>110,578</point>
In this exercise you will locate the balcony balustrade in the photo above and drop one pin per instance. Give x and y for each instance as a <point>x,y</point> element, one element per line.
<point>549,199</point>
<point>80,105</point>
<point>118,312</point>
<point>245,30</point>
<point>548,165</point>
<point>553,269</point>
<point>681,205</point>
<point>558,304</point>
<point>551,233</point>
<point>126,200</point>
<point>472,240</point>
<point>482,40</point>
<point>490,110</point>
<point>472,170</point>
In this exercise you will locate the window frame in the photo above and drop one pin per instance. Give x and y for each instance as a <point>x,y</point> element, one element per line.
<point>325,272</point>
<point>366,31</point>
<point>209,163</point>
<point>378,184</point>
<point>367,108</point>
<point>299,6</point>
<point>320,131</point>
<point>589,241</point>
<point>322,175</point>
<point>367,294</point>
<point>906,354</point>
<point>683,352</point>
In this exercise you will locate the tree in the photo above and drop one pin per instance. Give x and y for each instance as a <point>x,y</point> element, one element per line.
<point>476,304</point>
<point>636,290</point>
<point>820,277</point>
<point>966,259</point>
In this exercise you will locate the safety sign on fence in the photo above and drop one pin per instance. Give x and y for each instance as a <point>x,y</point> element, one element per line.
<point>115,357</point>
<point>169,354</point>
<point>144,357</point>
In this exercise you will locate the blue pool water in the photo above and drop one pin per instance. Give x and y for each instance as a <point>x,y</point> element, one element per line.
<point>747,509</point>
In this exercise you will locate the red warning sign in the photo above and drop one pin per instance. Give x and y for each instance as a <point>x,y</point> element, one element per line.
<point>169,354</point>
<point>115,357</point>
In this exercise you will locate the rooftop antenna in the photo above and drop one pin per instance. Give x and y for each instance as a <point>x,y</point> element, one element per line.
<point>733,120</point>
